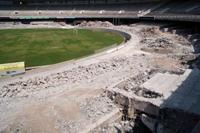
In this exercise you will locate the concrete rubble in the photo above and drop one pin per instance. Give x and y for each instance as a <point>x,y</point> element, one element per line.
<point>70,76</point>
<point>95,24</point>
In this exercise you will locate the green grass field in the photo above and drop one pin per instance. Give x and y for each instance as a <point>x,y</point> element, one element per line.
<point>48,46</point>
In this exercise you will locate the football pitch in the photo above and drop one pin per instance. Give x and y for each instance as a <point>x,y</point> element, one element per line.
<point>38,47</point>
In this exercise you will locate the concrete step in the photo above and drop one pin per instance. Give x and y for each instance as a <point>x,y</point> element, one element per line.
<point>133,102</point>
<point>165,83</point>
<point>154,82</point>
<point>161,83</point>
<point>180,91</point>
<point>170,80</point>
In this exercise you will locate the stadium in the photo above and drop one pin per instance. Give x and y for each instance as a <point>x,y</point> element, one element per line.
<point>99,66</point>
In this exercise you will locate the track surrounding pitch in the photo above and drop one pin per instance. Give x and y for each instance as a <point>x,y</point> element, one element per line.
<point>48,46</point>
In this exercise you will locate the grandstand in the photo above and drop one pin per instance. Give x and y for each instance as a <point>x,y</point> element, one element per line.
<point>185,7</point>
<point>67,2</point>
<point>186,11</point>
<point>131,9</point>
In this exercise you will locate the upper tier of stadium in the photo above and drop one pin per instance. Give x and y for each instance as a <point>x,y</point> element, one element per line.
<point>68,2</point>
<point>152,9</point>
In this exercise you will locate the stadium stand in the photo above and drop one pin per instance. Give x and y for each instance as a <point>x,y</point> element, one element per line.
<point>81,10</point>
<point>185,7</point>
<point>178,11</point>
<point>133,9</point>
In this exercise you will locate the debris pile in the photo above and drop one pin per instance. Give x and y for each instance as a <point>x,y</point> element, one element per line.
<point>96,24</point>
<point>154,43</point>
<point>135,81</point>
<point>150,31</point>
<point>97,106</point>
<point>132,85</point>
<point>116,127</point>
<point>182,40</point>
<point>69,76</point>
<point>93,109</point>
<point>74,75</point>
<point>157,42</point>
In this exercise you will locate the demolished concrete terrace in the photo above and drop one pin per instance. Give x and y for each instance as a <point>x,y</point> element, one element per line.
<point>146,86</point>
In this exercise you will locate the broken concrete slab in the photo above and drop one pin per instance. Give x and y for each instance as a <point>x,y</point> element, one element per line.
<point>180,110</point>
<point>132,102</point>
<point>160,82</point>
<point>165,84</point>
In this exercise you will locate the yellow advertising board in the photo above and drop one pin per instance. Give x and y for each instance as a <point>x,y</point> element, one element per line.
<point>12,66</point>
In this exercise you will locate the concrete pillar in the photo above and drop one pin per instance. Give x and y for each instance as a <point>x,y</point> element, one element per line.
<point>131,110</point>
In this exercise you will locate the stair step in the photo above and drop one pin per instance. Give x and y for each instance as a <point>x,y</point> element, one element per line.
<point>169,83</point>
<point>154,81</point>
<point>160,83</point>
